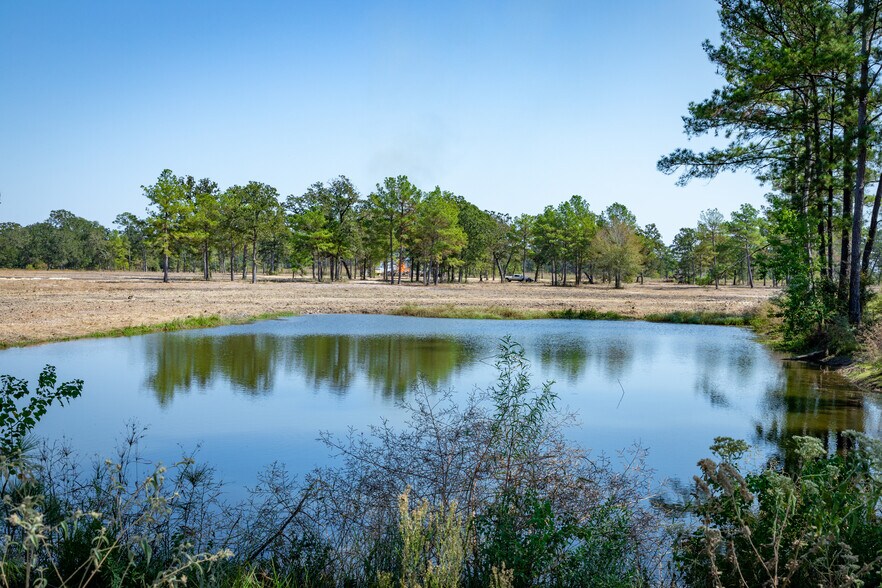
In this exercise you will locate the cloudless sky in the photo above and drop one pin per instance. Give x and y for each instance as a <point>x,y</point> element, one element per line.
<point>514,105</point>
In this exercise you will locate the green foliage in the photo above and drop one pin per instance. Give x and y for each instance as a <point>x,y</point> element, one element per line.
<point>394,202</point>
<point>503,313</point>
<point>520,411</point>
<point>128,535</point>
<point>231,224</point>
<point>657,259</point>
<point>800,109</point>
<point>204,220</point>
<point>616,247</point>
<point>523,529</point>
<point>813,522</point>
<point>21,408</point>
<point>257,203</point>
<point>586,314</point>
<point>477,226</point>
<point>590,314</point>
<point>63,241</point>
<point>562,238</point>
<point>311,240</point>
<point>685,251</point>
<point>702,318</point>
<point>432,550</point>
<point>13,241</point>
<point>523,533</point>
<point>170,207</point>
<point>437,234</point>
<point>709,230</point>
<point>330,228</point>
<point>619,213</point>
<point>323,223</point>
<point>169,211</point>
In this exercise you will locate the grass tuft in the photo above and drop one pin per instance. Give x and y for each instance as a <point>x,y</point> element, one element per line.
<point>467,312</point>
<point>503,313</point>
<point>588,314</point>
<point>681,317</point>
<point>867,375</point>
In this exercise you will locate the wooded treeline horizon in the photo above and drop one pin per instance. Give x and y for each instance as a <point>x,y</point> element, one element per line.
<point>397,232</point>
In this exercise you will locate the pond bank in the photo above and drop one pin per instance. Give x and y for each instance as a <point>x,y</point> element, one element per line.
<point>46,306</point>
<point>448,312</point>
<point>590,314</point>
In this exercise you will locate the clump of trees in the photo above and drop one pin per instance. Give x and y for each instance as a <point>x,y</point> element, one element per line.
<point>63,241</point>
<point>398,232</point>
<point>799,108</point>
<point>716,249</point>
<point>332,231</point>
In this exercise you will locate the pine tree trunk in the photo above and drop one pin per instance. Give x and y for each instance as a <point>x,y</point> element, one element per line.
<point>854,279</point>
<point>749,268</point>
<point>391,256</point>
<point>254,259</point>
<point>847,180</point>
<point>830,190</point>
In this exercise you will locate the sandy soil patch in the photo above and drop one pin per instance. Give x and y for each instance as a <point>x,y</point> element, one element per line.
<point>40,306</point>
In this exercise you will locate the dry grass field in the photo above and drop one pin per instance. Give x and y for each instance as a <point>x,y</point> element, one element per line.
<point>39,306</point>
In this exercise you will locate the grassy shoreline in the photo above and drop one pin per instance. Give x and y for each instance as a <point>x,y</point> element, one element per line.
<point>185,324</point>
<point>442,311</point>
<point>490,312</point>
<point>505,313</point>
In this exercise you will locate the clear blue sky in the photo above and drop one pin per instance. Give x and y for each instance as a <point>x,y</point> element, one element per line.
<point>514,105</point>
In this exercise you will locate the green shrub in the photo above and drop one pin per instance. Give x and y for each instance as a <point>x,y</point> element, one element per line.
<point>813,523</point>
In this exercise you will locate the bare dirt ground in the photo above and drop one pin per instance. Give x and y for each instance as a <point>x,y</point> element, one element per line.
<point>40,306</point>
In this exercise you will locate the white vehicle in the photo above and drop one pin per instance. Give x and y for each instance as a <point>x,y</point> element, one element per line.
<point>518,278</point>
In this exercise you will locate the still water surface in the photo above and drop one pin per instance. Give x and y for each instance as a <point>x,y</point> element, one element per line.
<point>249,395</point>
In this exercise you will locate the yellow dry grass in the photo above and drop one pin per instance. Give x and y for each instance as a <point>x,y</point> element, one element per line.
<point>51,305</point>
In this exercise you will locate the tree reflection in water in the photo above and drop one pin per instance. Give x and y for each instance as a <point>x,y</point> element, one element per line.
<point>810,402</point>
<point>181,362</point>
<point>252,363</point>
<point>391,364</point>
<point>793,398</point>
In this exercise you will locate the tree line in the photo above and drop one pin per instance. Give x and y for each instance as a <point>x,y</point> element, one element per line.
<point>397,232</point>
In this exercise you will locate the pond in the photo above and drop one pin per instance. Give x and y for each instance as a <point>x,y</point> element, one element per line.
<point>250,395</point>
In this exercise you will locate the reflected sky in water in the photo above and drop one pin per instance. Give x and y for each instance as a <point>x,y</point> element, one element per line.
<point>249,395</point>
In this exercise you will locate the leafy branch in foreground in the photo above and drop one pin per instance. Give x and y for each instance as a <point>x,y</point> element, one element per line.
<point>18,418</point>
